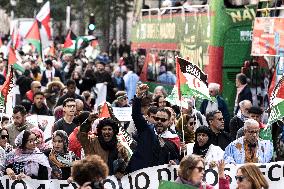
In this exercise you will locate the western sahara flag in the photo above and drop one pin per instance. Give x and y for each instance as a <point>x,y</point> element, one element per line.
<point>277,102</point>
<point>191,80</point>
<point>70,43</point>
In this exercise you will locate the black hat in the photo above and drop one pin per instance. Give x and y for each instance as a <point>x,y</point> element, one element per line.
<point>255,110</point>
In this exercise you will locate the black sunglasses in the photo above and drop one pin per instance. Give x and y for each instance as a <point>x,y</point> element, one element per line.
<point>200,169</point>
<point>240,178</point>
<point>192,123</point>
<point>160,118</point>
<point>4,136</point>
<point>96,185</point>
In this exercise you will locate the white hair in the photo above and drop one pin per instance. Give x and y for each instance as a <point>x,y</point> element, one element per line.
<point>250,122</point>
<point>242,103</point>
<point>214,86</point>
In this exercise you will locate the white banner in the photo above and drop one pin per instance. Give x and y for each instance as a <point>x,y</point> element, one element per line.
<point>148,178</point>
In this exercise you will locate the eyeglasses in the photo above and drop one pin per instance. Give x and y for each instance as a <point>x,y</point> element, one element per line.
<point>160,118</point>
<point>200,169</point>
<point>4,136</point>
<point>191,123</point>
<point>96,185</point>
<point>240,178</point>
<point>38,87</point>
<point>70,106</point>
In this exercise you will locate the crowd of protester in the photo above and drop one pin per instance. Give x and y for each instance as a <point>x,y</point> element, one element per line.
<point>161,133</point>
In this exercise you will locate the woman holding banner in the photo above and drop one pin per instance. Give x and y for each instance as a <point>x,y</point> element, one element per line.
<point>191,172</point>
<point>249,176</point>
<point>26,161</point>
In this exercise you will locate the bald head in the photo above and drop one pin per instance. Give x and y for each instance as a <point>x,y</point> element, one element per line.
<point>35,86</point>
<point>79,106</point>
<point>245,105</point>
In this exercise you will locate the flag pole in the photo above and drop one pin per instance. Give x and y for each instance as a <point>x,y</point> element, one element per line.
<point>179,97</point>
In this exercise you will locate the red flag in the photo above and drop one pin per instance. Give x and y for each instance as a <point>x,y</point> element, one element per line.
<point>12,59</point>
<point>104,111</point>
<point>272,84</point>
<point>44,18</point>
<point>143,74</point>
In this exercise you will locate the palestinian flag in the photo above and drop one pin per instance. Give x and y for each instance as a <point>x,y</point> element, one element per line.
<point>191,80</point>
<point>14,60</point>
<point>84,41</point>
<point>70,43</point>
<point>33,37</point>
<point>5,89</point>
<point>277,102</point>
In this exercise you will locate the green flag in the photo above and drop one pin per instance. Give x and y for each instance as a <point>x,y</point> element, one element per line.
<point>173,185</point>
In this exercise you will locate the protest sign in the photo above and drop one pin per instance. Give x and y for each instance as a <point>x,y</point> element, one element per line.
<point>123,114</point>
<point>268,36</point>
<point>45,123</point>
<point>149,178</point>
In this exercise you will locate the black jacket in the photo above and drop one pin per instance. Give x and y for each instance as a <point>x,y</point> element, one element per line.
<point>44,79</point>
<point>148,152</point>
<point>221,139</point>
<point>245,94</point>
<point>235,124</point>
<point>41,111</point>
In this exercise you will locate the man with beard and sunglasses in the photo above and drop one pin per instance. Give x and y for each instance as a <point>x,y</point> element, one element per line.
<point>105,143</point>
<point>156,145</point>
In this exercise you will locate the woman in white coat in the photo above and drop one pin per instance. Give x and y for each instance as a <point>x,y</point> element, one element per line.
<point>203,146</point>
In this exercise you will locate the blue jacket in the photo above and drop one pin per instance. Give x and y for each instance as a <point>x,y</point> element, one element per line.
<point>148,152</point>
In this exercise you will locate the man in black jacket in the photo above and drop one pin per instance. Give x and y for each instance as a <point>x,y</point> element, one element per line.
<point>243,91</point>
<point>156,145</point>
<point>220,138</point>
